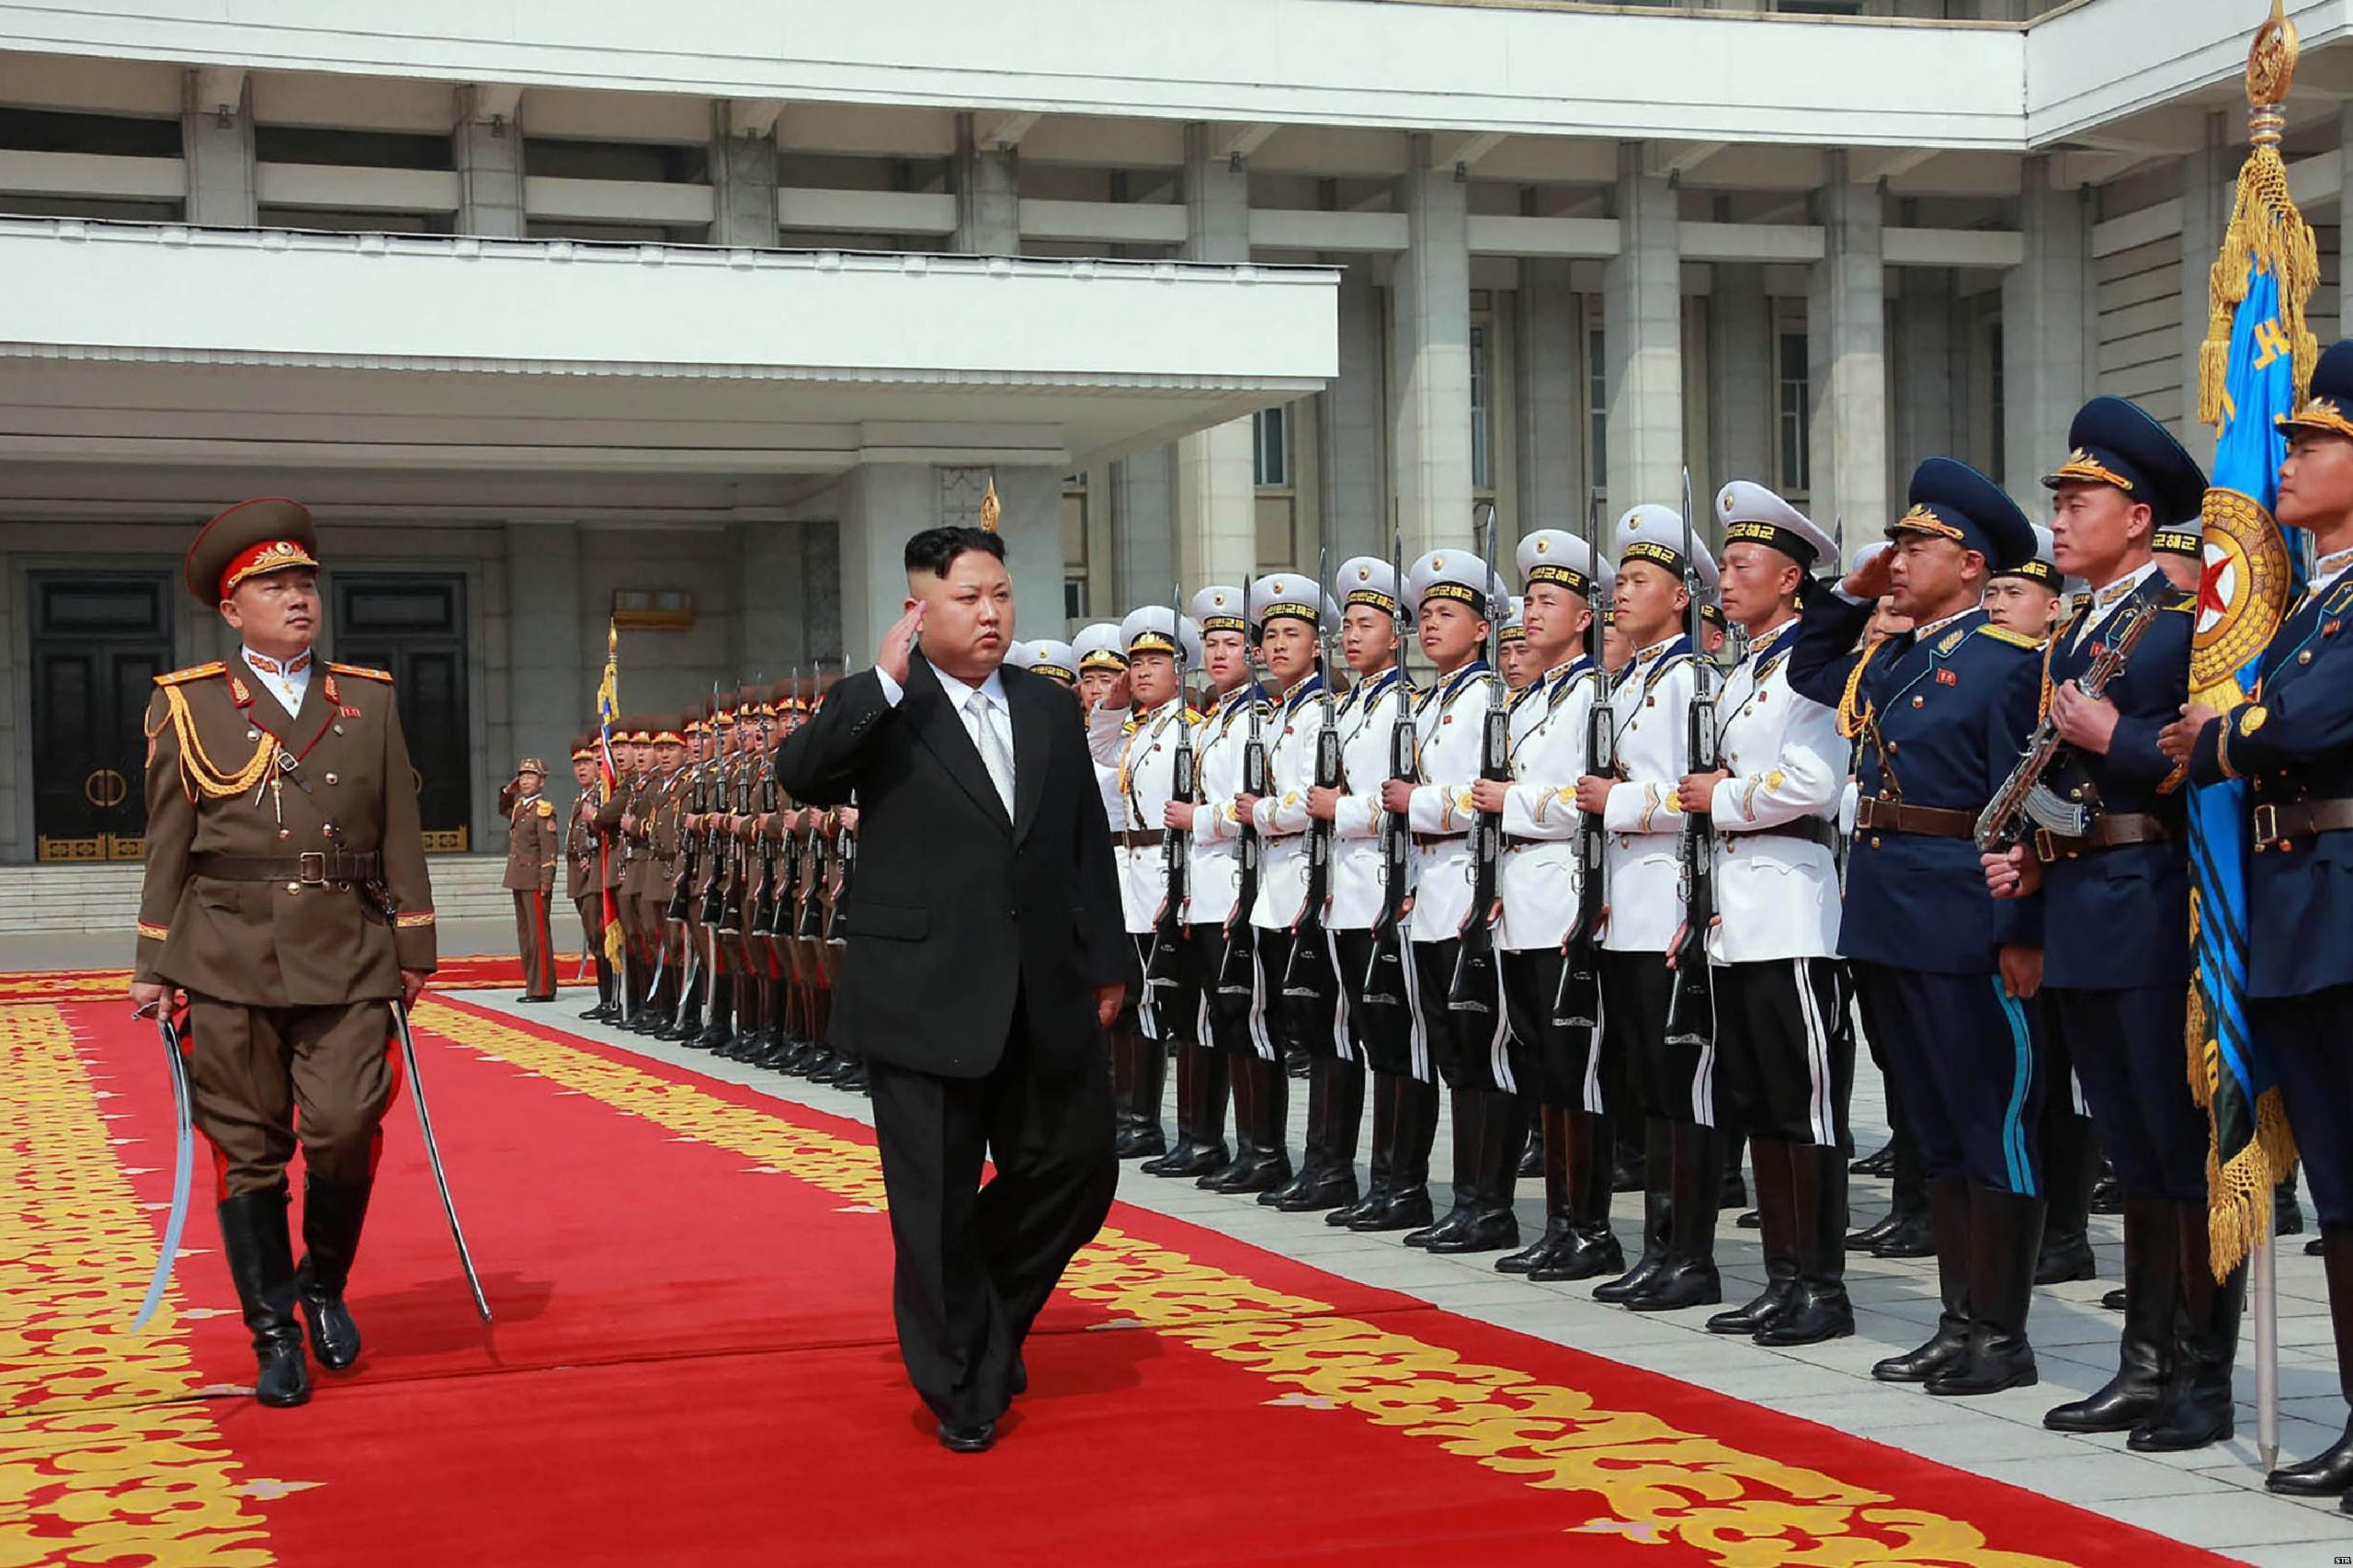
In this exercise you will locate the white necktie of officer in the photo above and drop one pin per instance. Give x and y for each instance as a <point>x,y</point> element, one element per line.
<point>983,717</point>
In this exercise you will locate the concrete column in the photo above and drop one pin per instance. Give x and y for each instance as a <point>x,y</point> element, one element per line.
<point>988,195</point>
<point>1928,377</point>
<point>2046,312</point>
<point>1846,345</point>
<point>1642,339</point>
<point>1349,447</point>
<point>486,143</point>
<point>882,505</point>
<point>1545,366</point>
<point>772,590</point>
<point>1144,529</point>
<point>217,140</point>
<point>1746,400</point>
<point>1031,522</point>
<point>1217,500</point>
<point>743,176</point>
<point>550,685</point>
<point>1429,308</point>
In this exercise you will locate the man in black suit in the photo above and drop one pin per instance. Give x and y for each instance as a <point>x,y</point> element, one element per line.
<point>985,961</point>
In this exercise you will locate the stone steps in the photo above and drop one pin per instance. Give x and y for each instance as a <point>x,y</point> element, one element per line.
<point>106,898</point>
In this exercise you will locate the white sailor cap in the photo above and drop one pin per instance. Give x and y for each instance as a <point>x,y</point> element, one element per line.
<point>1454,574</point>
<point>1156,628</point>
<point>1046,656</point>
<point>2042,569</point>
<point>1655,534</point>
<point>1369,580</point>
<point>1515,623</point>
<point>1749,511</point>
<point>1221,609</point>
<point>1292,594</point>
<point>1100,647</point>
<point>1549,555</point>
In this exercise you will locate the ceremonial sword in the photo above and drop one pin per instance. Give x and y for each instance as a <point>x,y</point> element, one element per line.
<point>183,1161</point>
<point>433,1157</point>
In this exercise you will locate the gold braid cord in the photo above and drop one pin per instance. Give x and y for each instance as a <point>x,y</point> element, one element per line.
<point>2266,231</point>
<point>199,771</point>
<point>1850,720</point>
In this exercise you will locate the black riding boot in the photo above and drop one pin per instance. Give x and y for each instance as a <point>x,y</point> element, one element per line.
<point>1200,1120</point>
<point>332,1215</point>
<point>2196,1409</point>
<point>1551,1126</point>
<point>1777,1214</point>
<point>1468,1107</point>
<point>1592,1248</point>
<point>1658,1166</point>
<point>1689,1277</point>
<point>1266,1164</point>
<point>607,1007</point>
<point>1818,1198</point>
<point>1335,1114</point>
<point>1493,1172</point>
<point>1406,1205</point>
<point>1245,1100</point>
<point>2145,1356</point>
<point>2005,1233</point>
<point>1384,1091</point>
<point>1907,1230</point>
<point>261,1266</point>
<point>2330,1471</point>
<point>721,1029</point>
<point>1150,1082</point>
<point>688,1023</point>
<point>2070,1166</point>
<point>1949,1204</point>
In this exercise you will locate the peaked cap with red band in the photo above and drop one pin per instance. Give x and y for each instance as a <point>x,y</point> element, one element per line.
<point>250,539</point>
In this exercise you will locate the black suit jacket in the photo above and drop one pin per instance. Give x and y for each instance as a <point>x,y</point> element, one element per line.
<point>959,916</point>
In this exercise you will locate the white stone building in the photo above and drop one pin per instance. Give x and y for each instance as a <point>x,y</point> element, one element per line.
<point>697,309</point>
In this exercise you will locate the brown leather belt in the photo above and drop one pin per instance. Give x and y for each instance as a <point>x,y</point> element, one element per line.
<point>1144,838</point>
<point>1877,813</point>
<point>1813,830</point>
<point>2282,822</point>
<point>2108,831</point>
<point>318,868</point>
<point>1435,840</point>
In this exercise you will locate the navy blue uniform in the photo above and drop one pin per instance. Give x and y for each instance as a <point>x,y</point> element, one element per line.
<point>1941,722</point>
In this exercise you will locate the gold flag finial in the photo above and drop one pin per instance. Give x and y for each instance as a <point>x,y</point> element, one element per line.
<point>2271,68</point>
<point>990,509</point>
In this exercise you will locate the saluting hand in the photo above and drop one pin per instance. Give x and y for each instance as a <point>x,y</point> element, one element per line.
<point>898,644</point>
<point>2179,739</point>
<point>1876,576</point>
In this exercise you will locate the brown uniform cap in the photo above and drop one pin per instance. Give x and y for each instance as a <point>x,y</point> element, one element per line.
<point>251,539</point>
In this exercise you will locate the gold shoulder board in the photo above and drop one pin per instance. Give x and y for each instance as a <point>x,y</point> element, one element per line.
<point>545,809</point>
<point>363,672</point>
<point>2015,639</point>
<point>194,671</point>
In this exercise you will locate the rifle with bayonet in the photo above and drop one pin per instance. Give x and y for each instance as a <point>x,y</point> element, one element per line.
<point>1237,972</point>
<point>1384,974</point>
<point>1691,1008</point>
<point>1308,972</point>
<point>1476,987</point>
<point>1164,962</point>
<point>2025,804</point>
<point>1577,1004</point>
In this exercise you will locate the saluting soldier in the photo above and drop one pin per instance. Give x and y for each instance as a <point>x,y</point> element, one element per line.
<point>286,904</point>
<point>1942,711</point>
<point>2116,926</point>
<point>531,850</point>
<point>1785,1063</point>
<point>1453,590</point>
<point>1542,882</point>
<point>2292,742</point>
<point>1641,811</point>
<point>584,871</point>
<point>1292,611</point>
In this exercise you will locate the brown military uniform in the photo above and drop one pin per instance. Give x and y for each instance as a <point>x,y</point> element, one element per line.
<point>530,878</point>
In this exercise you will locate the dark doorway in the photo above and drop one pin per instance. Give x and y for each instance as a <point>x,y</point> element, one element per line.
<point>99,639</point>
<point>413,625</point>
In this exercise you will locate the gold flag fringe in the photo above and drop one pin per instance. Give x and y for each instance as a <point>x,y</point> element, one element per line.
<point>2266,231</point>
<point>2238,1195</point>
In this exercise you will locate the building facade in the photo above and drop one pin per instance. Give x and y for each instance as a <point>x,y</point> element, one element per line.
<point>553,316</point>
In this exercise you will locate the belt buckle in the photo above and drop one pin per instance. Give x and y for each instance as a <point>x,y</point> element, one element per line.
<point>305,864</point>
<point>2046,846</point>
<point>2266,824</point>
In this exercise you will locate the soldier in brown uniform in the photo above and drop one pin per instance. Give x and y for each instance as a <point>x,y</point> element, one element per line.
<point>584,869</point>
<point>530,873</point>
<point>717,876</point>
<point>685,910</point>
<point>640,917</point>
<point>286,902</point>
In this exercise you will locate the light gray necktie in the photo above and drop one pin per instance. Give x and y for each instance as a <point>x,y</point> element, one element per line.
<point>978,712</point>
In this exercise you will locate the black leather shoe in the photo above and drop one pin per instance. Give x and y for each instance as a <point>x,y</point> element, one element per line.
<point>2114,1301</point>
<point>1910,1236</point>
<point>2323,1475</point>
<point>977,1439</point>
<point>1775,1301</point>
<point>2063,1259</point>
<point>259,1251</point>
<point>1679,1283</point>
<point>1189,1159</point>
<point>550,996</point>
<point>333,1332</point>
<point>1497,1229</point>
<point>1939,1351</point>
<point>1880,1165</point>
<point>1261,1170</point>
<point>1557,1236</point>
<point>2144,1351</point>
<point>1408,1209</point>
<point>1820,1312</point>
<point>595,1015</point>
<point>1623,1288</point>
<point>1455,1221</point>
<point>1334,1186</point>
<point>1587,1256</point>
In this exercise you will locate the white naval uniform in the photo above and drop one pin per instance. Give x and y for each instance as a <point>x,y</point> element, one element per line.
<point>1644,816</point>
<point>1367,716</point>
<point>1142,752</point>
<point>1541,879</point>
<point>1220,740</point>
<point>1777,895</point>
<point>1449,720</point>
<point>1281,816</point>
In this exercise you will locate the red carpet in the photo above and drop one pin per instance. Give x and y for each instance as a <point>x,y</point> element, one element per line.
<point>473,972</point>
<point>692,1364</point>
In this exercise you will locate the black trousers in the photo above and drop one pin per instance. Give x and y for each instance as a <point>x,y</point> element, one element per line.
<point>2307,1036</point>
<point>1636,989</point>
<point>2126,1048</point>
<point>1554,1062</point>
<point>1469,1046</point>
<point>975,1264</point>
<point>1785,1057</point>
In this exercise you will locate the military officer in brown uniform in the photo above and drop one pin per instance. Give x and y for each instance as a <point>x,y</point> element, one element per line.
<point>530,874</point>
<point>640,917</point>
<point>286,902</point>
<point>583,862</point>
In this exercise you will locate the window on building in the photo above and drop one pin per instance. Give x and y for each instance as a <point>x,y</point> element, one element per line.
<point>1795,415</point>
<point>1482,446</point>
<point>1596,397</point>
<point>1074,598</point>
<point>1270,443</point>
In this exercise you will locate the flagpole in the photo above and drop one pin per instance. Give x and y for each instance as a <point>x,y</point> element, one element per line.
<point>2263,1296</point>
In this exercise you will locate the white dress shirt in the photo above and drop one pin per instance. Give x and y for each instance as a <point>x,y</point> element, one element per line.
<point>286,681</point>
<point>960,697</point>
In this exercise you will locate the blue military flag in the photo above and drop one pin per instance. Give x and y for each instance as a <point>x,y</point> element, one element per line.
<point>2258,358</point>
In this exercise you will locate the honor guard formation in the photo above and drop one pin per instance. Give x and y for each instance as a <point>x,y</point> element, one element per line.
<point>1615,863</point>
